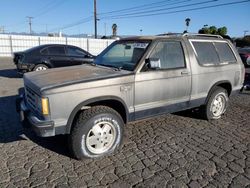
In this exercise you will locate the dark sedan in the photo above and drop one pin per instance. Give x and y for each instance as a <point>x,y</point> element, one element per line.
<point>50,56</point>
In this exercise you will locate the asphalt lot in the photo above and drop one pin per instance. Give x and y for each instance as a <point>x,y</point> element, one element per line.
<point>175,150</point>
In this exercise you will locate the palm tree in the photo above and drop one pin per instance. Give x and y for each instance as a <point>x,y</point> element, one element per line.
<point>114,28</point>
<point>187,23</point>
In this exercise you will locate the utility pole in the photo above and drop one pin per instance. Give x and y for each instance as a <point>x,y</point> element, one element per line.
<point>95,17</point>
<point>30,23</point>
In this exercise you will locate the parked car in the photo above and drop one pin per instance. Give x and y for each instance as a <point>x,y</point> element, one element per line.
<point>245,55</point>
<point>50,56</point>
<point>246,84</point>
<point>132,79</point>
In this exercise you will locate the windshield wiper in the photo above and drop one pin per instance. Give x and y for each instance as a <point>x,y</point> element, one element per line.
<point>112,66</point>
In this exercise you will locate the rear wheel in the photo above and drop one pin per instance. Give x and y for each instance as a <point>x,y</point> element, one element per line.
<point>96,132</point>
<point>40,67</point>
<point>216,104</point>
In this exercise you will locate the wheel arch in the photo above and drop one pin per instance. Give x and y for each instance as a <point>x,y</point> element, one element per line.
<point>223,84</point>
<point>110,101</point>
<point>47,63</point>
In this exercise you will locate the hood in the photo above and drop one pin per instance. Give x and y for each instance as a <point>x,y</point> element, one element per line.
<point>59,77</point>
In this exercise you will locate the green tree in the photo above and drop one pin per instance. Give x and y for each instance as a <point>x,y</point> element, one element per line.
<point>213,30</point>
<point>222,31</point>
<point>204,30</point>
<point>242,42</point>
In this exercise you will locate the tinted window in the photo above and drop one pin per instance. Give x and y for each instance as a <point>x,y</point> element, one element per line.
<point>170,54</point>
<point>75,51</point>
<point>57,50</point>
<point>206,53</point>
<point>45,51</point>
<point>225,52</point>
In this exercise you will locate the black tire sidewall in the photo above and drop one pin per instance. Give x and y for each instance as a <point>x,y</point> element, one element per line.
<point>217,91</point>
<point>88,124</point>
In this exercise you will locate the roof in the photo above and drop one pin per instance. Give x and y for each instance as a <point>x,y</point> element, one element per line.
<point>174,35</point>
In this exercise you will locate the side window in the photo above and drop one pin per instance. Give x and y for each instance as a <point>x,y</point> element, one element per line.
<point>45,51</point>
<point>72,51</point>
<point>225,53</point>
<point>206,53</point>
<point>170,54</point>
<point>56,50</point>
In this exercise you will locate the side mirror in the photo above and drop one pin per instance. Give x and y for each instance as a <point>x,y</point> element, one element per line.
<point>153,63</point>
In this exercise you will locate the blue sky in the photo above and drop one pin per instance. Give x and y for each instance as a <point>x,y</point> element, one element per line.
<point>51,15</point>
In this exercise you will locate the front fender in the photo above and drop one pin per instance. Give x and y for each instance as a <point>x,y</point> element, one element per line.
<point>92,101</point>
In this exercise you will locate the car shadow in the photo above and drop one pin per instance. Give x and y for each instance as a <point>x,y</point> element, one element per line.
<point>11,129</point>
<point>194,113</point>
<point>245,92</point>
<point>10,73</point>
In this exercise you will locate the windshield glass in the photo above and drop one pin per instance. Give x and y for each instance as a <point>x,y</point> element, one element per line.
<point>122,54</point>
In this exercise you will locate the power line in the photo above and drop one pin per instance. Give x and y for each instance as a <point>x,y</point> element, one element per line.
<point>45,9</point>
<point>177,11</point>
<point>50,7</point>
<point>149,13</point>
<point>145,6</point>
<point>84,20</point>
<point>96,19</point>
<point>175,7</point>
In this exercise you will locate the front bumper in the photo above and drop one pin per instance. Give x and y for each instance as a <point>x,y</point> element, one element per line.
<point>42,128</point>
<point>24,67</point>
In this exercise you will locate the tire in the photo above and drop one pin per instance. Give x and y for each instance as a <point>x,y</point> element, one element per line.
<point>40,67</point>
<point>216,105</point>
<point>88,138</point>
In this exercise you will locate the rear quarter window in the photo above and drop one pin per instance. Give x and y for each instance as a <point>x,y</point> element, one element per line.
<point>225,52</point>
<point>56,50</point>
<point>213,53</point>
<point>73,51</point>
<point>206,53</point>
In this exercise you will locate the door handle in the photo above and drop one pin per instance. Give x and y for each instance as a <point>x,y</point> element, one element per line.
<point>184,72</point>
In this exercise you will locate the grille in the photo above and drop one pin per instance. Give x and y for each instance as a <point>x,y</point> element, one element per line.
<point>32,99</point>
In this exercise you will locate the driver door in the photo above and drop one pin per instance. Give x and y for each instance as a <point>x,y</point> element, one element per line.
<point>166,89</point>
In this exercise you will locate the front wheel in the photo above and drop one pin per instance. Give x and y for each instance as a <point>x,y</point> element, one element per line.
<point>216,104</point>
<point>96,132</point>
<point>40,67</point>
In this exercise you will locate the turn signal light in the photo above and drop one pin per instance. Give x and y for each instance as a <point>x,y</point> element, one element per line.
<point>45,106</point>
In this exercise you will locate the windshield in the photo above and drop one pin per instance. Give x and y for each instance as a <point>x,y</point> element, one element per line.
<point>122,54</point>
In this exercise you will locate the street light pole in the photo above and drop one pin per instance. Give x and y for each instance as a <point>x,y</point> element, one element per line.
<point>95,17</point>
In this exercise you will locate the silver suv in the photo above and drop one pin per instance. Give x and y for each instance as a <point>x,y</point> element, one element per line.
<point>134,78</point>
